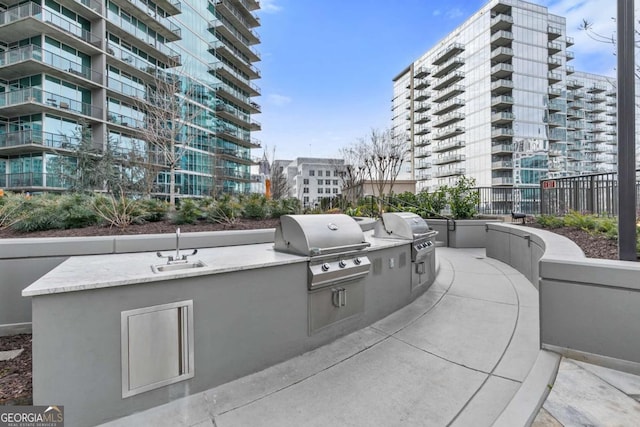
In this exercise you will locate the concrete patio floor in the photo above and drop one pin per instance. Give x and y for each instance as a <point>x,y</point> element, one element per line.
<point>464,354</point>
<point>454,357</point>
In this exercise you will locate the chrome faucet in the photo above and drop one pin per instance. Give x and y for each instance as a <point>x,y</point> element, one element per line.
<point>177,258</point>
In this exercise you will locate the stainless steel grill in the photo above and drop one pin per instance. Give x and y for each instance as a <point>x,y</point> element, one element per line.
<point>409,226</point>
<point>335,244</point>
<point>337,268</point>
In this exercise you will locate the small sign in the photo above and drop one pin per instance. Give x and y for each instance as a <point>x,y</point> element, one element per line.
<point>548,184</point>
<point>32,416</point>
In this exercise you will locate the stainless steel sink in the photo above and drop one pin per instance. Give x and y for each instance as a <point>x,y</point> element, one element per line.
<point>177,266</point>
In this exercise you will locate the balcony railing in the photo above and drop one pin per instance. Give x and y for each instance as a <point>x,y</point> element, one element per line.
<point>31,136</point>
<point>35,11</point>
<point>40,96</point>
<point>36,53</point>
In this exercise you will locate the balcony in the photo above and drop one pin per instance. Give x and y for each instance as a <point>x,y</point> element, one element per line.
<point>420,107</point>
<point>423,164</point>
<point>555,120</point>
<point>444,172</point>
<point>557,134</point>
<point>596,99</point>
<point>422,118</point>
<point>570,41</point>
<point>570,69</point>
<point>501,148</point>
<point>32,59</point>
<point>451,158</point>
<point>449,132</point>
<point>27,20</point>
<point>574,84</point>
<point>149,17</point>
<point>32,100</point>
<point>421,84</point>
<point>147,42</point>
<point>501,22</point>
<point>236,56</point>
<point>502,180</point>
<point>422,129</point>
<point>422,152</point>
<point>501,133</point>
<point>570,55</point>
<point>226,72</point>
<point>554,47</point>
<point>501,54</point>
<point>596,118</point>
<point>448,145</point>
<point>236,97</point>
<point>501,38</point>
<point>422,141</point>
<point>501,101</point>
<point>236,116</point>
<point>501,70</point>
<point>421,95</point>
<point>447,53</point>
<point>448,80</point>
<point>232,21</point>
<point>553,77</point>
<point>576,105</point>
<point>448,92</point>
<point>25,141</point>
<point>421,72</point>
<point>502,165</point>
<point>448,119</point>
<point>448,66</point>
<point>557,105</point>
<point>239,17</point>
<point>172,7</point>
<point>448,106</point>
<point>554,32</point>
<point>501,86</point>
<point>502,117</point>
<point>554,62</point>
<point>554,92</point>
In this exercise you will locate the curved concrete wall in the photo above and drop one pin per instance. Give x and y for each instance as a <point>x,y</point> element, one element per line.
<point>23,261</point>
<point>588,307</point>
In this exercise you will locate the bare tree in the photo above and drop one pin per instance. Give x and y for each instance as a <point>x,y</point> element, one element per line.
<point>279,184</point>
<point>382,154</point>
<point>351,172</point>
<point>168,115</point>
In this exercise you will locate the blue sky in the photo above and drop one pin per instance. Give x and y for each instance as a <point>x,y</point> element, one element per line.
<point>327,65</point>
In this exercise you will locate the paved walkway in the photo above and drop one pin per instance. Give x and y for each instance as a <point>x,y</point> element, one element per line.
<point>454,357</point>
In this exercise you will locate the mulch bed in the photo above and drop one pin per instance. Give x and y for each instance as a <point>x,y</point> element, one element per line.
<point>15,375</point>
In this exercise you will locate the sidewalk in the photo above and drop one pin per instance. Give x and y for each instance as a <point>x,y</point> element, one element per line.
<point>456,356</point>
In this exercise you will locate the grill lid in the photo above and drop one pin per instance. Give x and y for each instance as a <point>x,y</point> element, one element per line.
<point>401,225</point>
<point>312,235</point>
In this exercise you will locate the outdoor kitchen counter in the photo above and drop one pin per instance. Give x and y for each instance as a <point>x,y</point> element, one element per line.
<point>81,273</point>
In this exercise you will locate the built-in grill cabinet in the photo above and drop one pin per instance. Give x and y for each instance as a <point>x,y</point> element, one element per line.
<point>412,227</point>
<point>338,263</point>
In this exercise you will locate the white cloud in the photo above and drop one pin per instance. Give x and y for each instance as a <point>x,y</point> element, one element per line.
<point>279,100</point>
<point>456,12</point>
<point>436,12</point>
<point>270,6</point>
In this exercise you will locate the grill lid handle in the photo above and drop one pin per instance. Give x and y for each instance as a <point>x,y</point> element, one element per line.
<point>343,248</point>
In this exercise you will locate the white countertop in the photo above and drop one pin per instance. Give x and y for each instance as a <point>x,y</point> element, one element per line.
<point>80,273</point>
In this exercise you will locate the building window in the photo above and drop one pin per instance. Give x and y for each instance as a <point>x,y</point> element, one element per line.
<point>305,190</point>
<point>335,191</point>
<point>312,172</point>
<point>319,190</point>
<point>327,173</point>
<point>335,182</point>
<point>327,190</point>
<point>319,182</point>
<point>335,173</point>
<point>305,181</point>
<point>327,182</point>
<point>305,200</point>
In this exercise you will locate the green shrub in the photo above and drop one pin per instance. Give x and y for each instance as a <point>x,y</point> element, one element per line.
<point>154,210</point>
<point>277,208</point>
<point>577,220</point>
<point>74,211</point>
<point>187,213</point>
<point>117,212</point>
<point>255,207</point>
<point>550,221</point>
<point>463,198</point>
<point>10,209</point>
<point>38,213</point>
<point>225,210</point>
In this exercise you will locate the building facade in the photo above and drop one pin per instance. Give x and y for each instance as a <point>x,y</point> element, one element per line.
<point>70,68</point>
<point>312,179</point>
<point>498,100</point>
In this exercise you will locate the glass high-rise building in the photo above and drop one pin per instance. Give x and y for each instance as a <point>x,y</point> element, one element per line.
<point>497,100</point>
<point>69,67</point>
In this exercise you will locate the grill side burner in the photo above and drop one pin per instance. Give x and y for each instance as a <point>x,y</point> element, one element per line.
<point>409,226</point>
<point>338,263</point>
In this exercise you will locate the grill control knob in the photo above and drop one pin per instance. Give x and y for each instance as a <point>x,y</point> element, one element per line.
<point>357,261</point>
<point>325,267</point>
<point>342,264</point>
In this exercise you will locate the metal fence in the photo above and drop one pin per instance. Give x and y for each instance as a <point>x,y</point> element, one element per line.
<point>595,193</point>
<point>504,201</point>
